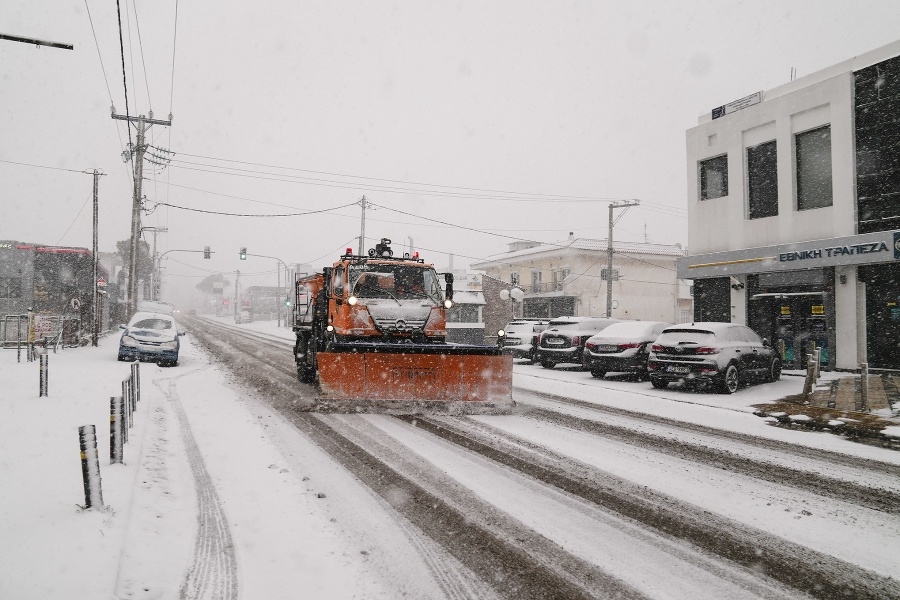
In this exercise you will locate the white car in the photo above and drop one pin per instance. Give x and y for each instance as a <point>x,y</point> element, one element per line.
<point>151,336</point>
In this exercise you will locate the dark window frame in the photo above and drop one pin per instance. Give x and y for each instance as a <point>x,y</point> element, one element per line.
<point>817,190</point>
<point>705,167</point>
<point>762,180</point>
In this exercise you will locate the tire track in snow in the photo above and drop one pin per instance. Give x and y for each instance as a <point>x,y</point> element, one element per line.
<point>213,573</point>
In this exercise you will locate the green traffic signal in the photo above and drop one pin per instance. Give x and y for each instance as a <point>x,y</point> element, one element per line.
<point>243,254</point>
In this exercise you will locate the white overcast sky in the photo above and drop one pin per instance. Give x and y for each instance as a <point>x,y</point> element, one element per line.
<point>547,102</point>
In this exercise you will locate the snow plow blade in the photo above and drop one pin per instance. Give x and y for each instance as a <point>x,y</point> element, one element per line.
<point>414,380</point>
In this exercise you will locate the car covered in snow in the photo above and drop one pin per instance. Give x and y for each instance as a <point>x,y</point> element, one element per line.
<point>520,339</point>
<point>563,340</point>
<point>622,348</point>
<point>152,337</point>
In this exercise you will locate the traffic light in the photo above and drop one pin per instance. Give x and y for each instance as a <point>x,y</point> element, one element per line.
<point>287,301</point>
<point>206,252</point>
<point>225,302</point>
<point>244,253</point>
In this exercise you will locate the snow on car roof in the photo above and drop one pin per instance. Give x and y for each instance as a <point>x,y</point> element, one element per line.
<point>140,316</point>
<point>628,329</point>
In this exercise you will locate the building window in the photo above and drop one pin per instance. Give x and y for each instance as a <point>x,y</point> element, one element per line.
<point>762,180</point>
<point>714,177</point>
<point>514,278</point>
<point>10,287</point>
<point>535,282</point>
<point>464,313</point>
<point>604,274</point>
<point>559,277</point>
<point>814,168</point>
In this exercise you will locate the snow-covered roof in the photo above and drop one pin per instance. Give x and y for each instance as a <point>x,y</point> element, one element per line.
<point>468,297</point>
<point>588,245</point>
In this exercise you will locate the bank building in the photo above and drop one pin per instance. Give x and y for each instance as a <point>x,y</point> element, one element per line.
<point>794,214</point>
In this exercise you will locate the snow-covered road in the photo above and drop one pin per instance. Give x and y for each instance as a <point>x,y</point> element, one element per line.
<point>222,496</point>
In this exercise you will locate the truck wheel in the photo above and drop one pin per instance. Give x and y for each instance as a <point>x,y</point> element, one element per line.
<point>306,374</point>
<point>658,383</point>
<point>730,381</point>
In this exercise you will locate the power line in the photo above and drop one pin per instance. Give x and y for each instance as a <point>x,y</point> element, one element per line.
<point>558,197</point>
<point>12,162</point>
<point>91,195</point>
<point>137,24</point>
<point>227,214</point>
<point>124,79</point>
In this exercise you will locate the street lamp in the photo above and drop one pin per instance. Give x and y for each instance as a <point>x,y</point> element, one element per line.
<point>154,274</point>
<point>244,256</point>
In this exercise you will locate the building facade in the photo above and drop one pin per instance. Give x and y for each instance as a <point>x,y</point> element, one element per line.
<point>570,279</point>
<point>794,214</point>
<point>51,281</point>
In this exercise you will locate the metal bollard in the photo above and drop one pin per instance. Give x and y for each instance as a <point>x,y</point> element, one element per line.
<point>44,374</point>
<point>818,355</point>
<point>136,380</point>
<point>863,405</point>
<point>115,430</point>
<point>810,378</point>
<point>90,466</point>
<point>126,413</point>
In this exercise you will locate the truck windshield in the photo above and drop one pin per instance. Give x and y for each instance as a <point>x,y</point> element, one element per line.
<point>398,281</point>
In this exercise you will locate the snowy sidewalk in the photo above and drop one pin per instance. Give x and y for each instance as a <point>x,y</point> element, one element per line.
<point>218,497</point>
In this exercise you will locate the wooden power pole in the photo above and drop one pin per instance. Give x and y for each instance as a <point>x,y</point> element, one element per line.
<point>142,124</point>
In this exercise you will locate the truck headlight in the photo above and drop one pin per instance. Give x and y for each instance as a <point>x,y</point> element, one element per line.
<point>352,300</point>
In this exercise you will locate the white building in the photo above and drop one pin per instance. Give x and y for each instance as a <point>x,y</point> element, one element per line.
<point>794,213</point>
<point>570,279</point>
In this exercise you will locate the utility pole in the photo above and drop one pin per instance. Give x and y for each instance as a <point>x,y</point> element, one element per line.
<point>362,227</point>
<point>95,308</point>
<point>609,248</point>
<point>143,124</point>
<point>237,284</point>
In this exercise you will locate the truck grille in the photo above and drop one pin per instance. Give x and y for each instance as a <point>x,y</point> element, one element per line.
<point>399,325</point>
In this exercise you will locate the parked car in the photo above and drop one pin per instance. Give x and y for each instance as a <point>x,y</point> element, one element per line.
<point>563,340</point>
<point>622,348</point>
<point>150,336</point>
<point>724,355</point>
<point>521,338</point>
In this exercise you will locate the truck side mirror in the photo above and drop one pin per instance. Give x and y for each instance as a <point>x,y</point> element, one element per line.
<point>448,279</point>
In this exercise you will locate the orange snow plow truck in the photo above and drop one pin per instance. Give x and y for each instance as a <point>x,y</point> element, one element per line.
<point>371,331</point>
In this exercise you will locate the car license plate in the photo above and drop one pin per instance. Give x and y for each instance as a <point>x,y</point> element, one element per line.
<point>607,348</point>
<point>555,342</point>
<point>677,369</point>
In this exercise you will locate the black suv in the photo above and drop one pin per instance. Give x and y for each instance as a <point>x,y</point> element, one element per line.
<point>563,340</point>
<point>721,354</point>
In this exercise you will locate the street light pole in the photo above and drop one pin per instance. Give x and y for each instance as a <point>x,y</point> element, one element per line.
<point>609,249</point>
<point>154,274</point>
<point>278,299</point>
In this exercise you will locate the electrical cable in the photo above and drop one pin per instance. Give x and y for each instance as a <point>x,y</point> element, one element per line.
<point>137,24</point>
<point>468,189</point>
<point>227,214</point>
<point>91,195</point>
<point>124,79</point>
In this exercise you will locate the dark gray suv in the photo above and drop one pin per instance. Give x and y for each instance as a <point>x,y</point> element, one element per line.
<point>723,355</point>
